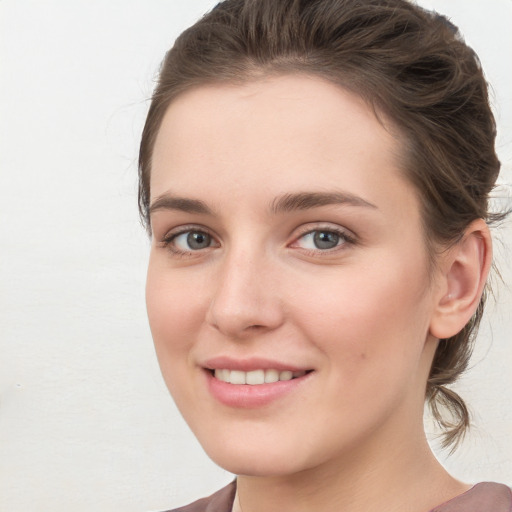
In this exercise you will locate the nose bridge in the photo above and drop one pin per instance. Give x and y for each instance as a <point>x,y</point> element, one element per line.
<point>245,297</point>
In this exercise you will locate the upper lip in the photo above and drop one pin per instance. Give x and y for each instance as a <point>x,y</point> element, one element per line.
<point>249,364</point>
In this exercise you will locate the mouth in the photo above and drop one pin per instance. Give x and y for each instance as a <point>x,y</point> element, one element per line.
<point>256,377</point>
<point>254,382</point>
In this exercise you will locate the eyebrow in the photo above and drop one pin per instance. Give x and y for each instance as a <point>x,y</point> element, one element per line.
<point>282,204</point>
<point>183,204</point>
<point>309,200</point>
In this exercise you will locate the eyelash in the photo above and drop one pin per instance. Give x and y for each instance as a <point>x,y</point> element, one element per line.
<point>345,239</point>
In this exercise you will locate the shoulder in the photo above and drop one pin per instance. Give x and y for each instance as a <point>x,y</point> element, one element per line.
<point>482,497</point>
<point>221,501</point>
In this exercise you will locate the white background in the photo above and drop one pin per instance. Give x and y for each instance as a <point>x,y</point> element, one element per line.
<point>85,420</point>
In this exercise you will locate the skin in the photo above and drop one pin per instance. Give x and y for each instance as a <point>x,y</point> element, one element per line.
<point>365,315</point>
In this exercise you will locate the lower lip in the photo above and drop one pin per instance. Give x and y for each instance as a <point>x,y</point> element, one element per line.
<point>252,396</point>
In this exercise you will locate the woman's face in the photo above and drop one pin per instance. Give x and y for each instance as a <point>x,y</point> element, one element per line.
<point>286,243</point>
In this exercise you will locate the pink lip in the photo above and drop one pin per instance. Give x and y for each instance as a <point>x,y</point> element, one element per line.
<point>247,365</point>
<point>245,396</point>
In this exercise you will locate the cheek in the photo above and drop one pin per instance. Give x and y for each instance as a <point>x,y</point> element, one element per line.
<point>372,320</point>
<point>372,345</point>
<point>173,311</point>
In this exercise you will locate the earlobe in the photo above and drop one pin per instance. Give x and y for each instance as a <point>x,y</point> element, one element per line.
<point>465,267</point>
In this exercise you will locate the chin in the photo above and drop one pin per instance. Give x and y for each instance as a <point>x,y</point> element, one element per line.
<point>245,455</point>
<point>254,458</point>
<point>258,463</point>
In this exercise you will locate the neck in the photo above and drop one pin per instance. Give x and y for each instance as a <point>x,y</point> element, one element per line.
<point>407,478</point>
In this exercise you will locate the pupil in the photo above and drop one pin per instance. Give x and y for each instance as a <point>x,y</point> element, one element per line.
<point>326,240</point>
<point>197,240</point>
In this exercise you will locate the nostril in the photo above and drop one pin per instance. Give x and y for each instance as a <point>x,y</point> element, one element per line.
<point>255,327</point>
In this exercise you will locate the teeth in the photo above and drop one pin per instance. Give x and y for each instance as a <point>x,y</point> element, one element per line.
<point>237,377</point>
<point>255,377</point>
<point>271,376</point>
<point>286,375</point>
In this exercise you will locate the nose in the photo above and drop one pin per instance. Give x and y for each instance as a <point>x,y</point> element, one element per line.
<point>246,297</point>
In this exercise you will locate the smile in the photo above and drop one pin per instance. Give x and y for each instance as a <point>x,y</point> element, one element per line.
<point>256,377</point>
<point>254,388</point>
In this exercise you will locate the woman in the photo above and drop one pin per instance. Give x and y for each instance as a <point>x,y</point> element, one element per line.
<point>315,178</point>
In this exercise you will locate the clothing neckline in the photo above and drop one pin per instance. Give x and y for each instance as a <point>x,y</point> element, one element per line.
<point>438,508</point>
<point>451,500</point>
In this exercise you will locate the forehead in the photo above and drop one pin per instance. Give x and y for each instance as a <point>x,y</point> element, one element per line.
<point>282,132</point>
<point>299,105</point>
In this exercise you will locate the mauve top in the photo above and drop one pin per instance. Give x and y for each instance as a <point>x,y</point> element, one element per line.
<point>483,497</point>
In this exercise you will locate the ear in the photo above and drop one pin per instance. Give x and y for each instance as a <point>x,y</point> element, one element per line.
<point>463,273</point>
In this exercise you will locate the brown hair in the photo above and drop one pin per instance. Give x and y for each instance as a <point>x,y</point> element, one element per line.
<point>410,65</point>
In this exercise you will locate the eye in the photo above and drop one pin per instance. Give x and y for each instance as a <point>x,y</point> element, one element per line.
<point>323,240</point>
<point>189,241</point>
<point>320,240</point>
<point>193,240</point>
